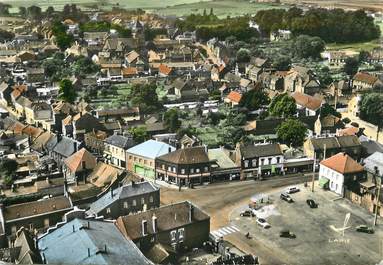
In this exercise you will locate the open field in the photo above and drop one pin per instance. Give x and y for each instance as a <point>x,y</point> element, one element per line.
<point>354,47</point>
<point>345,4</point>
<point>221,8</point>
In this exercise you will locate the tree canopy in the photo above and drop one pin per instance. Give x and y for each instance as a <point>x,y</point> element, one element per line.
<point>66,91</point>
<point>63,39</point>
<point>371,108</point>
<point>292,132</point>
<point>283,106</point>
<point>254,99</point>
<point>145,97</point>
<point>351,66</point>
<point>171,120</point>
<point>139,134</point>
<point>307,47</point>
<point>326,110</point>
<point>335,25</point>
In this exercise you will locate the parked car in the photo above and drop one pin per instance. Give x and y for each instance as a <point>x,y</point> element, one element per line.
<point>286,197</point>
<point>312,203</point>
<point>262,222</point>
<point>286,233</point>
<point>247,213</point>
<point>364,229</point>
<point>293,189</point>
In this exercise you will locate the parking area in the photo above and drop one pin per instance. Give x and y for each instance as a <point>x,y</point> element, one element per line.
<point>319,238</point>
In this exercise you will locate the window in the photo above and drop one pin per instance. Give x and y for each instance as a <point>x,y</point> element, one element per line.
<point>197,170</point>
<point>163,167</point>
<point>142,201</point>
<point>169,169</point>
<point>126,205</point>
<point>30,226</point>
<point>107,210</point>
<point>262,161</point>
<point>270,161</point>
<point>206,169</point>
<point>182,171</point>
<point>130,157</point>
<point>134,203</point>
<point>173,235</point>
<point>192,170</point>
<point>246,163</point>
<point>174,169</point>
<point>145,161</point>
<point>181,233</point>
<point>46,222</point>
<point>140,160</point>
<point>14,229</point>
<point>151,199</point>
<point>278,160</point>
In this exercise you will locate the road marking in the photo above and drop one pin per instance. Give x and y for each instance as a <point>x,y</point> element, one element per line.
<point>223,231</point>
<point>235,228</point>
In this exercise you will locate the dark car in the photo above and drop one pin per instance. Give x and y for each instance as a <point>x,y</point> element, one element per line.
<point>364,229</point>
<point>287,234</point>
<point>312,203</point>
<point>286,197</point>
<point>247,213</point>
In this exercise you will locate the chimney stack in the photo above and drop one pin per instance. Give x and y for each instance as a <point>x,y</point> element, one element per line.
<point>111,192</point>
<point>154,222</point>
<point>144,227</point>
<point>169,149</point>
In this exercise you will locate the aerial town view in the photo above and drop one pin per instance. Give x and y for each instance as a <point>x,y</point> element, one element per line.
<point>209,132</point>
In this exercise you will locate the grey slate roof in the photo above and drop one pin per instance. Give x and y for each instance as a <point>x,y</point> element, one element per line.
<point>65,246</point>
<point>374,160</point>
<point>120,193</point>
<point>260,150</point>
<point>66,147</point>
<point>120,141</point>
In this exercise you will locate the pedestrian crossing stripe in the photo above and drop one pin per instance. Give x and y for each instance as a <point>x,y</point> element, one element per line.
<point>223,231</point>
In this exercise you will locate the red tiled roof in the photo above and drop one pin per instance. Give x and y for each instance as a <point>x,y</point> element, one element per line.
<point>307,101</point>
<point>129,71</point>
<point>348,131</point>
<point>366,78</point>
<point>234,96</point>
<point>164,69</point>
<point>342,163</point>
<point>74,162</point>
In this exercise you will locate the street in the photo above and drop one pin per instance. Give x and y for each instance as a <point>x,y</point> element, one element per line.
<point>221,199</point>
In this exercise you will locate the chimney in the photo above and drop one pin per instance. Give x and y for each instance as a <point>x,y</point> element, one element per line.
<point>111,192</point>
<point>133,183</point>
<point>88,252</point>
<point>169,149</point>
<point>154,222</point>
<point>144,227</point>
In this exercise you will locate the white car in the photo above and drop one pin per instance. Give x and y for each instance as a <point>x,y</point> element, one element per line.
<point>293,189</point>
<point>262,222</point>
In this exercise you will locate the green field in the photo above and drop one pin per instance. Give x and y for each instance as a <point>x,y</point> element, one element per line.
<point>221,8</point>
<point>355,47</point>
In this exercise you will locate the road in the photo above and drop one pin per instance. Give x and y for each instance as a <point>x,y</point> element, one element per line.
<point>220,199</point>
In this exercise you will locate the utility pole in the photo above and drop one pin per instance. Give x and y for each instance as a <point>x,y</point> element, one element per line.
<point>313,178</point>
<point>377,197</point>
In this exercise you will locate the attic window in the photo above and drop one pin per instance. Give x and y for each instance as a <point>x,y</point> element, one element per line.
<point>54,206</point>
<point>34,210</point>
<point>18,214</point>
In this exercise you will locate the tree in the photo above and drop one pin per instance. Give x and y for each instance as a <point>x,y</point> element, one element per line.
<point>232,135</point>
<point>254,99</point>
<point>308,47</point>
<point>66,91</point>
<point>6,35</point>
<point>292,132</point>
<point>8,166</point>
<point>63,39</point>
<point>282,63</point>
<point>236,119</point>
<point>243,55</point>
<point>351,66</point>
<point>4,9</point>
<point>139,134</point>
<point>22,11</point>
<point>84,65</point>
<point>283,106</point>
<point>171,120</point>
<point>326,110</point>
<point>49,11</point>
<point>371,108</point>
<point>34,12</point>
<point>363,56</point>
<point>145,97</point>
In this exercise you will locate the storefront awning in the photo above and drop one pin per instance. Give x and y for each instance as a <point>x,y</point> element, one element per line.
<point>323,182</point>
